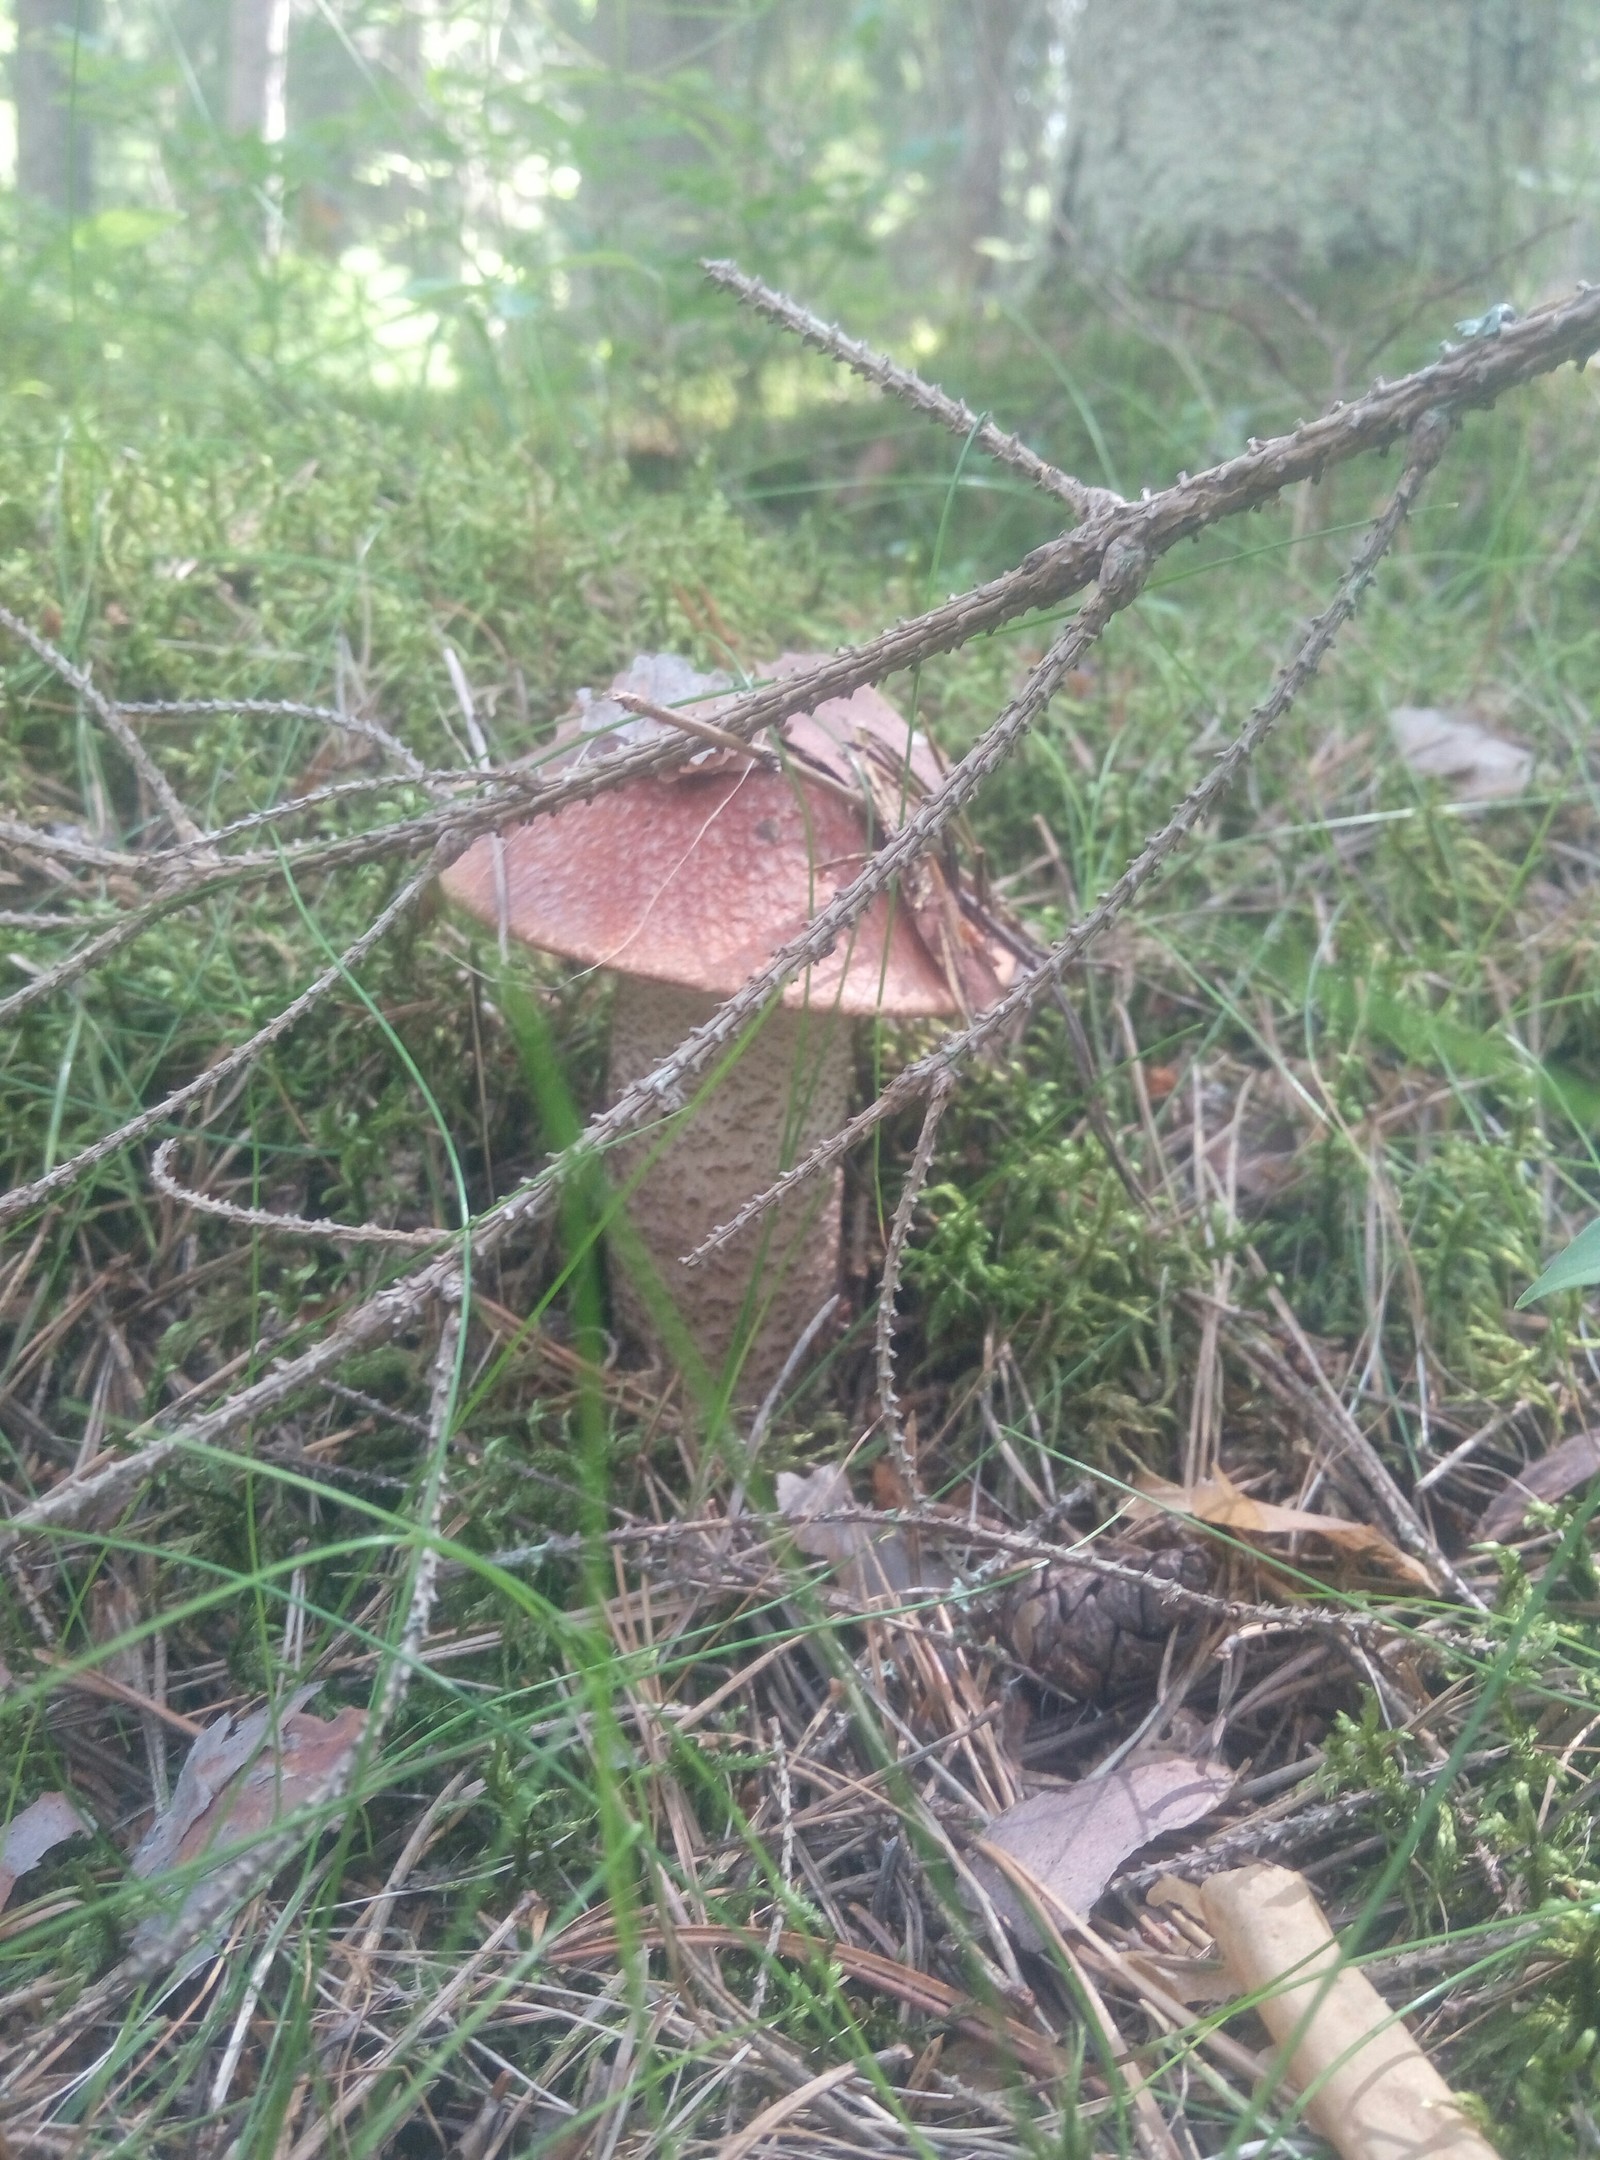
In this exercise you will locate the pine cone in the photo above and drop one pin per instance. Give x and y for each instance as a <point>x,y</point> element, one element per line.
<point>1087,1634</point>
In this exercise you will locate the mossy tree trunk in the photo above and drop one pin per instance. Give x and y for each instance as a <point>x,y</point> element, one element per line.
<point>1307,134</point>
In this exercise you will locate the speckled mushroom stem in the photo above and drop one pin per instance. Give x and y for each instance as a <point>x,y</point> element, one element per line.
<point>789,1088</point>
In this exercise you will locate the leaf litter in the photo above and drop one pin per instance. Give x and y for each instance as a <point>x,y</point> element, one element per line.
<point>242,1780</point>
<point>1473,763</point>
<point>1219,1503</point>
<point>33,1833</point>
<point>1075,1841</point>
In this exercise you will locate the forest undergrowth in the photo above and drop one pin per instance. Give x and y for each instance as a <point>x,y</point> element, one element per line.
<point>611,1812</point>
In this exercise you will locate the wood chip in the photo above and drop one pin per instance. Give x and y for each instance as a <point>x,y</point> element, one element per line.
<point>1371,2091</point>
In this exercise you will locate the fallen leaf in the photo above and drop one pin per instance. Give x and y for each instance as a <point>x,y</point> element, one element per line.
<point>602,728</point>
<point>42,1825</point>
<point>1551,1477</point>
<point>241,1776</point>
<point>871,1562</point>
<point>889,1488</point>
<point>1074,1839</point>
<point>1220,1502</point>
<point>1439,743</point>
<point>866,744</point>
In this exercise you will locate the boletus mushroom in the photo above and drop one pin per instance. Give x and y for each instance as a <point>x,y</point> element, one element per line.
<point>683,885</point>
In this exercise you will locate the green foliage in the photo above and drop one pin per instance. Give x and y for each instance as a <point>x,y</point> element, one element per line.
<point>1576,1267</point>
<point>1042,1243</point>
<point>1473,1222</point>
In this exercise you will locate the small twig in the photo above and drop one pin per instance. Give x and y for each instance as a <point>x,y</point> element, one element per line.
<point>406,1658</point>
<point>249,1218</point>
<point>689,724</point>
<point>67,847</point>
<point>478,743</point>
<point>916,1079</point>
<point>184,880</point>
<point>110,719</point>
<point>889,1283</point>
<point>24,919</point>
<point>23,1198</point>
<point>900,382</point>
<point>1348,1444</point>
<point>1469,1447</point>
<point>283,709</point>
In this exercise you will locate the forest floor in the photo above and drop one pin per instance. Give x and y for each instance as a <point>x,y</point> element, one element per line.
<point>605,1817</point>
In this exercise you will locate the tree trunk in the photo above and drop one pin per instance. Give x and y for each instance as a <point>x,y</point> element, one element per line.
<point>55,147</point>
<point>258,65</point>
<point>989,133</point>
<point>1305,134</point>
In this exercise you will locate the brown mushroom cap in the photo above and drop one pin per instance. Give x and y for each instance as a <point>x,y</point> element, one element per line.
<point>698,877</point>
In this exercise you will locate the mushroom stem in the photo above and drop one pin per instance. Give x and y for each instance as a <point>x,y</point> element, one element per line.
<point>789,1087</point>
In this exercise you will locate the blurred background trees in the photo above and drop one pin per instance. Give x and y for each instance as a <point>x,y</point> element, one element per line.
<point>505,201</point>
<point>54,137</point>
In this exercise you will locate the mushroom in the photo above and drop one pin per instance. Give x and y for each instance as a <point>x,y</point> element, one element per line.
<point>684,884</point>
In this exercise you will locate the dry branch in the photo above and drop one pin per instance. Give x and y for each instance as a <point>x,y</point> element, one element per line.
<point>1472,375</point>
<point>902,383</point>
<point>283,709</point>
<point>111,720</point>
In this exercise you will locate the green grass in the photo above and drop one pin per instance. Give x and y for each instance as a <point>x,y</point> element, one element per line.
<point>1391,1007</point>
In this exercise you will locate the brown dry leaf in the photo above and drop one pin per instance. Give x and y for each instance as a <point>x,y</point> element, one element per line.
<point>1073,1840</point>
<point>1159,1081</point>
<point>42,1825</point>
<point>862,741</point>
<point>1219,1502</point>
<point>239,1778</point>
<point>1439,743</point>
<point>870,1563</point>
<point>1552,1477</point>
<point>889,1488</point>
